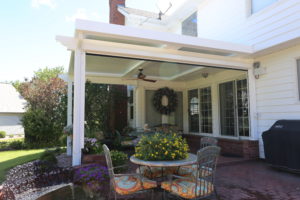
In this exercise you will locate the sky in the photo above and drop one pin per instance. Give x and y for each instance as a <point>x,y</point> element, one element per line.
<point>28,30</point>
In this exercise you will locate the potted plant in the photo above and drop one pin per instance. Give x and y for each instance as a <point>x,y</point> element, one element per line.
<point>92,178</point>
<point>161,147</point>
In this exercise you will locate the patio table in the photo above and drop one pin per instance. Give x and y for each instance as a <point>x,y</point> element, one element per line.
<point>190,160</point>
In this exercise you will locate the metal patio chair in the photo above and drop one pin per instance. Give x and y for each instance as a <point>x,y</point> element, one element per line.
<point>126,184</point>
<point>208,141</point>
<point>192,169</point>
<point>200,186</point>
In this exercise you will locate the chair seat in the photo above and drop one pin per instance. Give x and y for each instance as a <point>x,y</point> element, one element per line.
<point>131,184</point>
<point>156,172</point>
<point>186,188</point>
<point>191,170</point>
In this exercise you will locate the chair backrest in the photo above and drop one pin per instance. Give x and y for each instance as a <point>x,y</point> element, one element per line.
<point>108,161</point>
<point>208,141</point>
<point>207,159</point>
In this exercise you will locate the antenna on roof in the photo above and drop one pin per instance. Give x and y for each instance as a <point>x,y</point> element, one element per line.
<point>161,7</point>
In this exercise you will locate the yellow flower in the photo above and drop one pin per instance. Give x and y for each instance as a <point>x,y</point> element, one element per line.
<point>166,153</point>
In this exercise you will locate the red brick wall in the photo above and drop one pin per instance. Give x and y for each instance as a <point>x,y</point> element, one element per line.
<point>243,148</point>
<point>115,17</point>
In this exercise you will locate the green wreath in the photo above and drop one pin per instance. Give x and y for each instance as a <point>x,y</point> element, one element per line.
<point>172,100</point>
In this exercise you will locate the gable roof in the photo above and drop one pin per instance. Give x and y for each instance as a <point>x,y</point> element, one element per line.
<point>11,101</point>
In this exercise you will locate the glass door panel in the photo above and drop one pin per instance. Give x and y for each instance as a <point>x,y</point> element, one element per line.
<point>227,108</point>
<point>193,110</point>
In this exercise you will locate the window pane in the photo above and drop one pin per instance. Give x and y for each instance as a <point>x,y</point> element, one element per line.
<point>206,110</point>
<point>193,110</point>
<point>189,25</point>
<point>258,5</point>
<point>227,103</point>
<point>242,102</point>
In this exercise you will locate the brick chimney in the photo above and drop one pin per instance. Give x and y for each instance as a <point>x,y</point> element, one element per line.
<point>115,17</point>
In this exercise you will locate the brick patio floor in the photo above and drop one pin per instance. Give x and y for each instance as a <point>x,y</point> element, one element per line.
<point>253,180</point>
<point>247,180</point>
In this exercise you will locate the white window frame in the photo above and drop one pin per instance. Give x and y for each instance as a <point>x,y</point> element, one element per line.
<point>199,132</point>
<point>237,136</point>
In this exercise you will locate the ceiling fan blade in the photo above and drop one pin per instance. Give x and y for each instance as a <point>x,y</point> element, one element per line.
<point>149,80</point>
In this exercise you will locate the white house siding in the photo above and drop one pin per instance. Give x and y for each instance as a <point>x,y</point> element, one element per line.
<point>277,91</point>
<point>232,21</point>
<point>11,123</point>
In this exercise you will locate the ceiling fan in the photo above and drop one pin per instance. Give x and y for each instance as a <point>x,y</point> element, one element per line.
<point>141,76</point>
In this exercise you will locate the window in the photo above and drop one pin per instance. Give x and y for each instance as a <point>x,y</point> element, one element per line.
<point>193,110</point>
<point>298,71</point>
<point>205,110</point>
<point>257,5</point>
<point>189,25</point>
<point>200,110</point>
<point>234,108</point>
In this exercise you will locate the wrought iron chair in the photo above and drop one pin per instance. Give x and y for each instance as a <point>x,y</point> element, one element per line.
<point>208,141</point>
<point>126,184</point>
<point>202,185</point>
<point>192,169</point>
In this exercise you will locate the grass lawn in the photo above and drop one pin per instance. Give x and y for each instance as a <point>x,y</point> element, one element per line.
<point>9,159</point>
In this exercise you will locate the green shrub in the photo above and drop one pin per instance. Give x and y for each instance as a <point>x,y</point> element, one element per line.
<point>2,134</point>
<point>49,157</point>
<point>40,131</point>
<point>161,146</point>
<point>17,144</point>
<point>11,136</point>
<point>12,144</point>
<point>118,158</point>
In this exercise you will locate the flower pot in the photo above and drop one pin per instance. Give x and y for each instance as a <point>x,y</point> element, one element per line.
<point>94,158</point>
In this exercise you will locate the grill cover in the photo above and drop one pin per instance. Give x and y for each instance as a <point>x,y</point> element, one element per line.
<point>282,144</point>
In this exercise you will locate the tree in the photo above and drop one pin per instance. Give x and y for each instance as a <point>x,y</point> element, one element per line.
<point>45,116</point>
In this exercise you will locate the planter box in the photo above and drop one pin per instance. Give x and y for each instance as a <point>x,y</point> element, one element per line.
<point>94,158</point>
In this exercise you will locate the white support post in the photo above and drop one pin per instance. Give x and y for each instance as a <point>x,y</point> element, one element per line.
<point>140,107</point>
<point>252,105</point>
<point>79,104</point>
<point>69,114</point>
<point>215,110</point>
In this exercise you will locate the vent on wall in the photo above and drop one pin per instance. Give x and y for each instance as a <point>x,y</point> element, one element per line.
<point>187,49</point>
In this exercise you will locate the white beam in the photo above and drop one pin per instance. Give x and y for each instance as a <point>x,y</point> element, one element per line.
<point>169,55</point>
<point>154,53</point>
<point>70,114</point>
<point>79,104</point>
<point>160,38</point>
<point>134,67</point>
<point>185,73</point>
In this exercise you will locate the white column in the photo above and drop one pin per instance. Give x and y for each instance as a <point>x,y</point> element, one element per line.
<point>79,103</point>
<point>140,107</point>
<point>215,110</point>
<point>185,112</point>
<point>69,114</point>
<point>252,105</point>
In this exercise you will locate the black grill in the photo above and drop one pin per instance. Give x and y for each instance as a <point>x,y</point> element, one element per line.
<point>282,144</point>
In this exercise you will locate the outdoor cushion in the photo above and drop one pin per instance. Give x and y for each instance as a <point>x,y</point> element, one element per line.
<point>191,170</point>
<point>131,184</point>
<point>156,172</point>
<point>186,188</point>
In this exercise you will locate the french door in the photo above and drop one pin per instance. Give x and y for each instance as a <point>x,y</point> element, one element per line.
<point>234,108</point>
